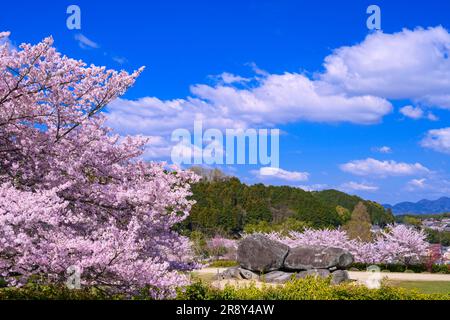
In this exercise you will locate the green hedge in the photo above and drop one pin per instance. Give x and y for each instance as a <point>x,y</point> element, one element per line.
<point>33,291</point>
<point>305,289</point>
<point>301,289</point>
<point>223,264</point>
<point>417,268</point>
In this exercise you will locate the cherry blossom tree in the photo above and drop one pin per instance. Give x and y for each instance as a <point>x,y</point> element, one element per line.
<point>396,244</point>
<point>222,247</point>
<point>402,244</point>
<point>72,193</point>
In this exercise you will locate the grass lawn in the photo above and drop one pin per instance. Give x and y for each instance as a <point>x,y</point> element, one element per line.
<point>424,286</point>
<point>206,277</point>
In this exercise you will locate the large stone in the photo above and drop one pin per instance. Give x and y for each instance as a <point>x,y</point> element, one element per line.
<point>318,273</point>
<point>277,277</point>
<point>248,275</point>
<point>339,276</point>
<point>261,254</point>
<point>317,257</point>
<point>230,273</point>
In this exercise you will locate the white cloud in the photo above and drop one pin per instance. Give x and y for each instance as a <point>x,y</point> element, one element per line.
<point>5,40</point>
<point>383,149</point>
<point>120,60</point>
<point>4,37</point>
<point>188,151</point>
<point>257,70</point>
<point>373,167</point>
<point>442,100</point>
<point>290,97</point>
<point>152,116</point>
<point>278,99</point>
<point>354,88</point>
<point>269,172</point>
<point>411,64</point>
<point>229,78</point>
<point>412,112</point>
<point>4,34</point>
<point>416,184</point>
<point>417,113</point>
<point>157,148</point>
<point>355,186</point>
<point>313,187</point>
<point>438,140</point>
<point>84,42</point>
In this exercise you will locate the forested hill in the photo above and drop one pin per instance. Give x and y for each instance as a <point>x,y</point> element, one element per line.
<point>226,205</point>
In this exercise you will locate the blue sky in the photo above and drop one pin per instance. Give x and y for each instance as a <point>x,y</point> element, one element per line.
<point>367,113</point>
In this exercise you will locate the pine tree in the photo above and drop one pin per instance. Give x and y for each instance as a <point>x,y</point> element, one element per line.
<point>360,224</point>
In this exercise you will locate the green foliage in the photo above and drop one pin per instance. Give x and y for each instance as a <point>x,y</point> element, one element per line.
<point>378,214</point>
<point>401,218</point>
<point>304,289</point>
<point>416,268</point>
<point>359,225</point>
<point>290,224</point>
<point>33,291</point>
<point>344,213</point>
<point>223,264</point>
<point>198,242</point>
<point>297,289</point>
<point>435,236</point>
<point>226,206</point>
<point>413,222</point>
<point>440,268</point>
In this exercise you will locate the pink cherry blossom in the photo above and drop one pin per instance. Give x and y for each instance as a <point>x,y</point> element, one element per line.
<point>396,244</point>
<point>74,193</point>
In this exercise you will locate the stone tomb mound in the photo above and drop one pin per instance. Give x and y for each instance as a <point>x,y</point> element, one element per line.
<point>264,259</point>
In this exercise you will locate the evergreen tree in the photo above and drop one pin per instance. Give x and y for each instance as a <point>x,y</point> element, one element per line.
<point>359,225</point>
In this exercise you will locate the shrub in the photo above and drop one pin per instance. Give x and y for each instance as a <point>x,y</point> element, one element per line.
<point>32,291</point>
<point>223,264</point>
<point>283,228</point>
<point>198,243</point>
<point>417,268</point>
<point>441,268</point>
<point>309,288</point>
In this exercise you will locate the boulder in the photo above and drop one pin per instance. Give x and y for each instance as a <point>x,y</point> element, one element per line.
<point>248,275</point>
<point>317,257</point>
<point>277,276</point>
<point>321,273</point>
<point>230,273</point>
<point>339,276</point>
<point>261,254</point>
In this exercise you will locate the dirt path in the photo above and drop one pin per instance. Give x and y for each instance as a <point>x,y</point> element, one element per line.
<point>363,276</point>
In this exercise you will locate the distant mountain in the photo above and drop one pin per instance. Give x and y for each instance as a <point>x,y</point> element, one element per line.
<point>422,207</point>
